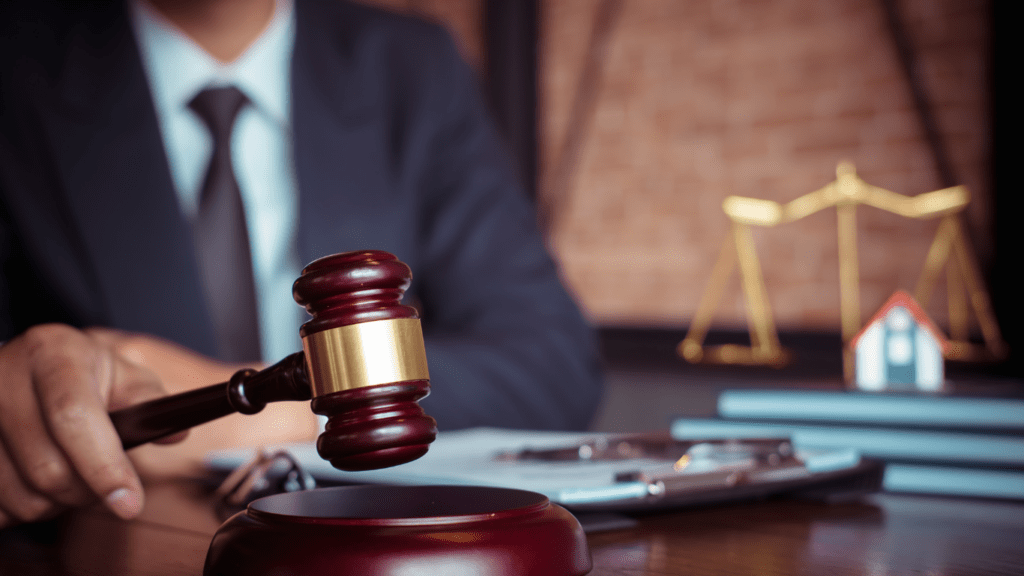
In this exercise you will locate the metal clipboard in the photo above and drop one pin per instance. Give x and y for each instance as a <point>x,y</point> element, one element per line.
<point>608,472</point>
<point>669,472</point>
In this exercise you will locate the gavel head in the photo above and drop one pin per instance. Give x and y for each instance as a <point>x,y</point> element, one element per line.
<point>366,360</point>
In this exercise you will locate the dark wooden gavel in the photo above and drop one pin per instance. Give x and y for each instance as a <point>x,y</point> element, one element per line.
<point>363,366</point>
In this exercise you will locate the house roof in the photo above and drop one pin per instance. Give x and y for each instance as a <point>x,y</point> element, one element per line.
<point>904,299</point>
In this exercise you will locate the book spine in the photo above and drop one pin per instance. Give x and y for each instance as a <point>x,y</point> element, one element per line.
<point>952,481</point>
<point>879,409</point>
<point>883,443</point>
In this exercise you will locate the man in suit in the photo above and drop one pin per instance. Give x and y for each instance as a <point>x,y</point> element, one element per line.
<point>101,300</point>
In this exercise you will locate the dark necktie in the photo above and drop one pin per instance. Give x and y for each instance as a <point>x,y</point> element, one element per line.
<point>221,236</point>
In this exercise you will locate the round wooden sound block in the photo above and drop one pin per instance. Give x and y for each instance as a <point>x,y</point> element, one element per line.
<point>401,531</point>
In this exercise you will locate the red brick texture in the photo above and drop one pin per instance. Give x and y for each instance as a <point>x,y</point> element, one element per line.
<point>701,100</point>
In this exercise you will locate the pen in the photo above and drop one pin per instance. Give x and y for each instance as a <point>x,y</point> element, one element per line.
<point>660,447</point>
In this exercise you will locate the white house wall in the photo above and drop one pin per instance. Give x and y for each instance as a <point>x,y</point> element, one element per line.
<point>870,362</point>
<point>929,360</point>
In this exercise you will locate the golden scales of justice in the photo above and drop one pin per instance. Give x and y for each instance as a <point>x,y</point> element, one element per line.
<point>950,249</point>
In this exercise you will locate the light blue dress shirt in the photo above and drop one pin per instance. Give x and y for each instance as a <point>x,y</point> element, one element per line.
<point>261,144</point>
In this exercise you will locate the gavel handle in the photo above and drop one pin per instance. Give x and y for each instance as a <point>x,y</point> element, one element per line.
<point>247,392</point>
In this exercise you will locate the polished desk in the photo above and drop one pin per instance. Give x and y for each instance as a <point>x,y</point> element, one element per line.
<point>876,535</point>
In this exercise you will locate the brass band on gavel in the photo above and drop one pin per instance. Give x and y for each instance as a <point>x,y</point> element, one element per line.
<point>365,354</point>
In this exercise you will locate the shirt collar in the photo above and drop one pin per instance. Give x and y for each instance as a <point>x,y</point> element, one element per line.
<point>178,68</point>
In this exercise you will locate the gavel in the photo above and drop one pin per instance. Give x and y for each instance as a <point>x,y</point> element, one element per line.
<point>363,365</point>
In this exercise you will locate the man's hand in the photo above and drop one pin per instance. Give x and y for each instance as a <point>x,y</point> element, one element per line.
<point>58,447</point>
<point>181,369</point>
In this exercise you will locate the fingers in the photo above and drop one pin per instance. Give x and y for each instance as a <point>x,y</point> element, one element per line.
<point>76,417</point>
<point>59,447</point>
<point>135,384</point>
<point>36,478</point>
<point>139,385</point>
<point>18,502</point>
<point>36,458</point>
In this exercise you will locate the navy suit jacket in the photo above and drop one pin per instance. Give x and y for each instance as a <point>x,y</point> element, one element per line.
<point>393,150</point>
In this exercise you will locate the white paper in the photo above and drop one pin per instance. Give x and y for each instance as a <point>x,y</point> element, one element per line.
<point>467,457</point>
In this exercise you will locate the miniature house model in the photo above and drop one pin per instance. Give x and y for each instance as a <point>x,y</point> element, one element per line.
<point>899,349</point>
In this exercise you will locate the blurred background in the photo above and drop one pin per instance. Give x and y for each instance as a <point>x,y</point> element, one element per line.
<point>632,120</point>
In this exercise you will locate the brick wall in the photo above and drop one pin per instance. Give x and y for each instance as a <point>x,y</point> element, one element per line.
<point>700,100</point>
<point>694,101</point>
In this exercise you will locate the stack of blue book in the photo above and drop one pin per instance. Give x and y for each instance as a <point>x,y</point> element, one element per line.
<point>931,444</point>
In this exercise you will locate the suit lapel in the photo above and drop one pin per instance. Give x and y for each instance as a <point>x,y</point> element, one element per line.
<point>339,145</point>
<point>119,189</point>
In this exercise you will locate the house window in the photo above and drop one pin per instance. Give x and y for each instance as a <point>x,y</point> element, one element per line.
<point>900,331</point>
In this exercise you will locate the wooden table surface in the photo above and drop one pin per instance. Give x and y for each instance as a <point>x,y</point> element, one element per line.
<point>877,535</point>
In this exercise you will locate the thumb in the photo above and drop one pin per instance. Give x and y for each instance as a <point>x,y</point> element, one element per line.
<point>135,385</point>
